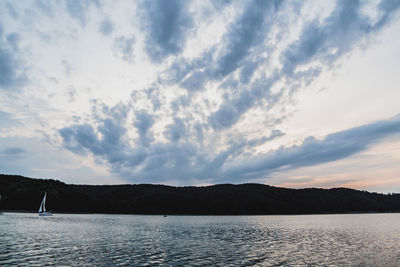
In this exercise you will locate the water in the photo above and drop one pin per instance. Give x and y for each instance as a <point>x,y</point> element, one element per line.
<point>112,240</point>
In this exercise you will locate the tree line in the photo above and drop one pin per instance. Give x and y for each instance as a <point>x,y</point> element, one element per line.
<point>25,194</point>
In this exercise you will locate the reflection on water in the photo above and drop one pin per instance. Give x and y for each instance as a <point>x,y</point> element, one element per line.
<point>108,240</point>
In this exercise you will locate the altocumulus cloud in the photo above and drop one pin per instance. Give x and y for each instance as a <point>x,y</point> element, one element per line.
<point>184,91</point>
<point>312,151</point>
<point>11,69</point>
<point>106,27</point>
<point>162,161</point>
<point>78,9</point>
<point>242,61</point>
<point>252,66</point>
<point>320,43</point>
<point>166,24</point>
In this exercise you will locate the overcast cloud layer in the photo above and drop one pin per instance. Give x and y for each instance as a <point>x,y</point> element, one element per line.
<point>194,92</point>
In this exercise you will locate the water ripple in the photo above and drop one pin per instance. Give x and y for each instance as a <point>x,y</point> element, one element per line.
<point>124,240</point>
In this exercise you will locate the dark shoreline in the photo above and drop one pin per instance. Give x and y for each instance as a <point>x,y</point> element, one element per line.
<point>25,194</point>
<point>201,215</point>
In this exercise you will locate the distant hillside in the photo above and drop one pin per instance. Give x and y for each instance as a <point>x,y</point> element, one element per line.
<point>21,193</point>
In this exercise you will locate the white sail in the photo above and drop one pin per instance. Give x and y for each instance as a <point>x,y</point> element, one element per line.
<point>42,207</point>
<point>44,202</point>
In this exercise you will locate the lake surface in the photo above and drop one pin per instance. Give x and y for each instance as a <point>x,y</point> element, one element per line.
<point>111,240</point>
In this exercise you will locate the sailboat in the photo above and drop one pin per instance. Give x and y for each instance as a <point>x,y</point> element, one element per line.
<point>42,208</point>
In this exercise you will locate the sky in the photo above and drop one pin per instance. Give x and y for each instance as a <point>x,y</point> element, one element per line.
<point>287,93</point>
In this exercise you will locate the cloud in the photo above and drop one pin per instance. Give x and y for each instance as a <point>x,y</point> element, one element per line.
<point>108,139</point>
<point>144,122</point>
<point>106,27</point>
<point>312,151</point>
<point>176,130</point>
<point>167,24</point>
<point>322,43</point>
<point>11,69</point>
<point>67,67</point>
<point>13,153</point>
<point>124,47</point>
<point>240,49</point>
<point>327,41</point>
<point>34,157</point>
<point>78,137</point>
<point>205,100</point>
<point>195,82</point>
<point>45,7</point>
<point>249,30</point>
<point>72,94</point>
<point>78,9</point>
<point>5,117</point>
<point>13,39</point>
<point>231,110</point>
<point>11,11</point>
<point>259,141</point>
<point>179,159</point>
<point>234,51</point>
<point>387,9</point>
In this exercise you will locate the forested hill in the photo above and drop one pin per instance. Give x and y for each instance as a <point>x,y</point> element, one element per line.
<point>25,194</point>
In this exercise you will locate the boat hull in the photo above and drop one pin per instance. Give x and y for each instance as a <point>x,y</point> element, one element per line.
<point>45,213</point>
